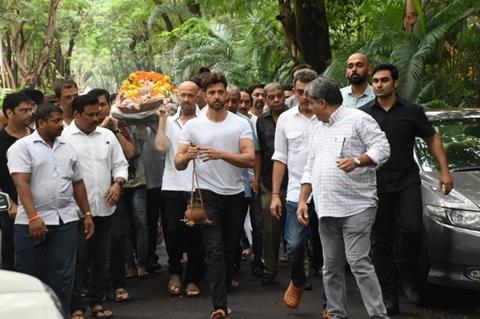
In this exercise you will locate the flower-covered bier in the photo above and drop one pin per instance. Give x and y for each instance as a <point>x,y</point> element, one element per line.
<point>143,91</point>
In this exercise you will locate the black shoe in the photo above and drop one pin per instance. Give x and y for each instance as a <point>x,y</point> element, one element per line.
<point>308,286</point>
<point>411,292</point>
<point>267,278</point>
<point>257,271</point>
<point>153,267</point>
<point>391,306</point>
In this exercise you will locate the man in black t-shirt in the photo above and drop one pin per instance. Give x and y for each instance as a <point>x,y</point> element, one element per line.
<point>17,108</point>
<point>399,215</point>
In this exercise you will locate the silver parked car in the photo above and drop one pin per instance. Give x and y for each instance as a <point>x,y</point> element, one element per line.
<point>452,222</point>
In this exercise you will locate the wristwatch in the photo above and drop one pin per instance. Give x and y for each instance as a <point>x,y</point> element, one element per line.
<point>357,161</point>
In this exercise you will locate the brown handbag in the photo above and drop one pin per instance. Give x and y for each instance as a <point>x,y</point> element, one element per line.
<point>195,212</point>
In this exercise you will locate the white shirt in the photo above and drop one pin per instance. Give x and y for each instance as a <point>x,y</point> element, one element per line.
<point>174,180</point>
<point>291,146</point>
<point>350,100</point>
<point>52,171</point>
<point>254,119</point>
<point>349,133</point>
<point>101,159</point>
<point>218,176</point>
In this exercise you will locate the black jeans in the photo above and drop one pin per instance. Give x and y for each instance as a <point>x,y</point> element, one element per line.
<point>154,201</point>
<point>397,228</point>
<point>180,236</point>
<point>8,249</point>
<point>117,246</point>
<point>256,219</point>
<point>98,249</point>
<point>221,238</point>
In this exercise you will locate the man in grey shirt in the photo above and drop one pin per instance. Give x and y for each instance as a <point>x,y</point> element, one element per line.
<point>343,152</point>
<point>47,176</point>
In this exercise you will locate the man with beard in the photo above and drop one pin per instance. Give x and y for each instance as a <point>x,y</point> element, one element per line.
<point>46,173</point>
<point>176,187</point>
<point>258,101</point>
<point>102,161</point>
<point>18,110</point>
<point>399,221</point>
<point>221,144</point>
<point>359,92</point>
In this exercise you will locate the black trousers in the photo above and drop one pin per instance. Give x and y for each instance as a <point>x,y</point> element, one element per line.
<point>221,238</point>
<point>119,235</point>
<point>397,236</point>
<point>180,236</point>
<point>256,220</point>
<point>98,249</point>
<point>154,203</point>
<point>8,248</point>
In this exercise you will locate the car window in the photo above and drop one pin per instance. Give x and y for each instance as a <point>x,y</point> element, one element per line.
<point>461,139</point>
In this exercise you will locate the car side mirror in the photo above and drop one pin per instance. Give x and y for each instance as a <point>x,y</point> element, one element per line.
<point>4,202</point>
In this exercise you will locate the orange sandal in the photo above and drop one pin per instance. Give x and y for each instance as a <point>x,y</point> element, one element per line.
<point>292,296</point>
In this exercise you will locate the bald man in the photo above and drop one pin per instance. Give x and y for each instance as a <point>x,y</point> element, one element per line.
<point>176,187</point>
<point>359,92</point>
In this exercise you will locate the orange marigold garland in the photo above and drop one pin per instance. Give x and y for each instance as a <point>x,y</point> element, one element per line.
<point>144,91</point>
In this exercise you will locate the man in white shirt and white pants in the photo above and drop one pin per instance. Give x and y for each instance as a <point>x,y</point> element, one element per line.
<point>102,161</point>
<point>343,153</point>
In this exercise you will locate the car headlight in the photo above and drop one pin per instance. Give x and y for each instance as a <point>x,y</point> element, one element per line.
<point>469,219</point>
<point>464,218</point>
<point>55,299</point>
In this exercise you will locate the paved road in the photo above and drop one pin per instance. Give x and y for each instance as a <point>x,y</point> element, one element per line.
<point>150,300</point>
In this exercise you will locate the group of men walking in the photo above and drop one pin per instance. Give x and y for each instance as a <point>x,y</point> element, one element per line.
<point>335,168</point>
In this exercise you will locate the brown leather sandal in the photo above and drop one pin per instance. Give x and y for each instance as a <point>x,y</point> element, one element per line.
<point>192,290</point>
<point>175,285</point>
<point>292,296</point>
<point>218,314</point>
<point>78,314</point>
<point>121,295</point>
<point>99,312</point>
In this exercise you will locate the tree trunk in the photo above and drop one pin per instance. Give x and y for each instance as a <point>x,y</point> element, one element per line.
<point>35,73</point>
<point>306,29</point>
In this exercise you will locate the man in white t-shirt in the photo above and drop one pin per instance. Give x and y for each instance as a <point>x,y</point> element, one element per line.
<point>221,145</point>
<point>176,187</point>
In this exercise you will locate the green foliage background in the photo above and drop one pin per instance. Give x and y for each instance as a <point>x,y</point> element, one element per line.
<point>439,61</point>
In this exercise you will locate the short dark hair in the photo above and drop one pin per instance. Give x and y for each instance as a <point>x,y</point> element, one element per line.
<point>324,88</point>
<point>44,112</point>
<point>304,76</point>
<point>34,95</point>
<point>64,84</point>
<point>214,78</point>
<point>197,81</point>
<point>300,66</point>
<point>80,101</point>
<point>287,87</point>
<point>255,86</point>
<point>100,92</point>
<point>387,66</point>
<point>13,100</point>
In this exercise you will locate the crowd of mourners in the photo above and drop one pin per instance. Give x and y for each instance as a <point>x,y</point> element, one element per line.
<point>309,174</point>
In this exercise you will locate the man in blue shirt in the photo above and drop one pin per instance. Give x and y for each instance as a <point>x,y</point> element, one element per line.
<point>359,92</point>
